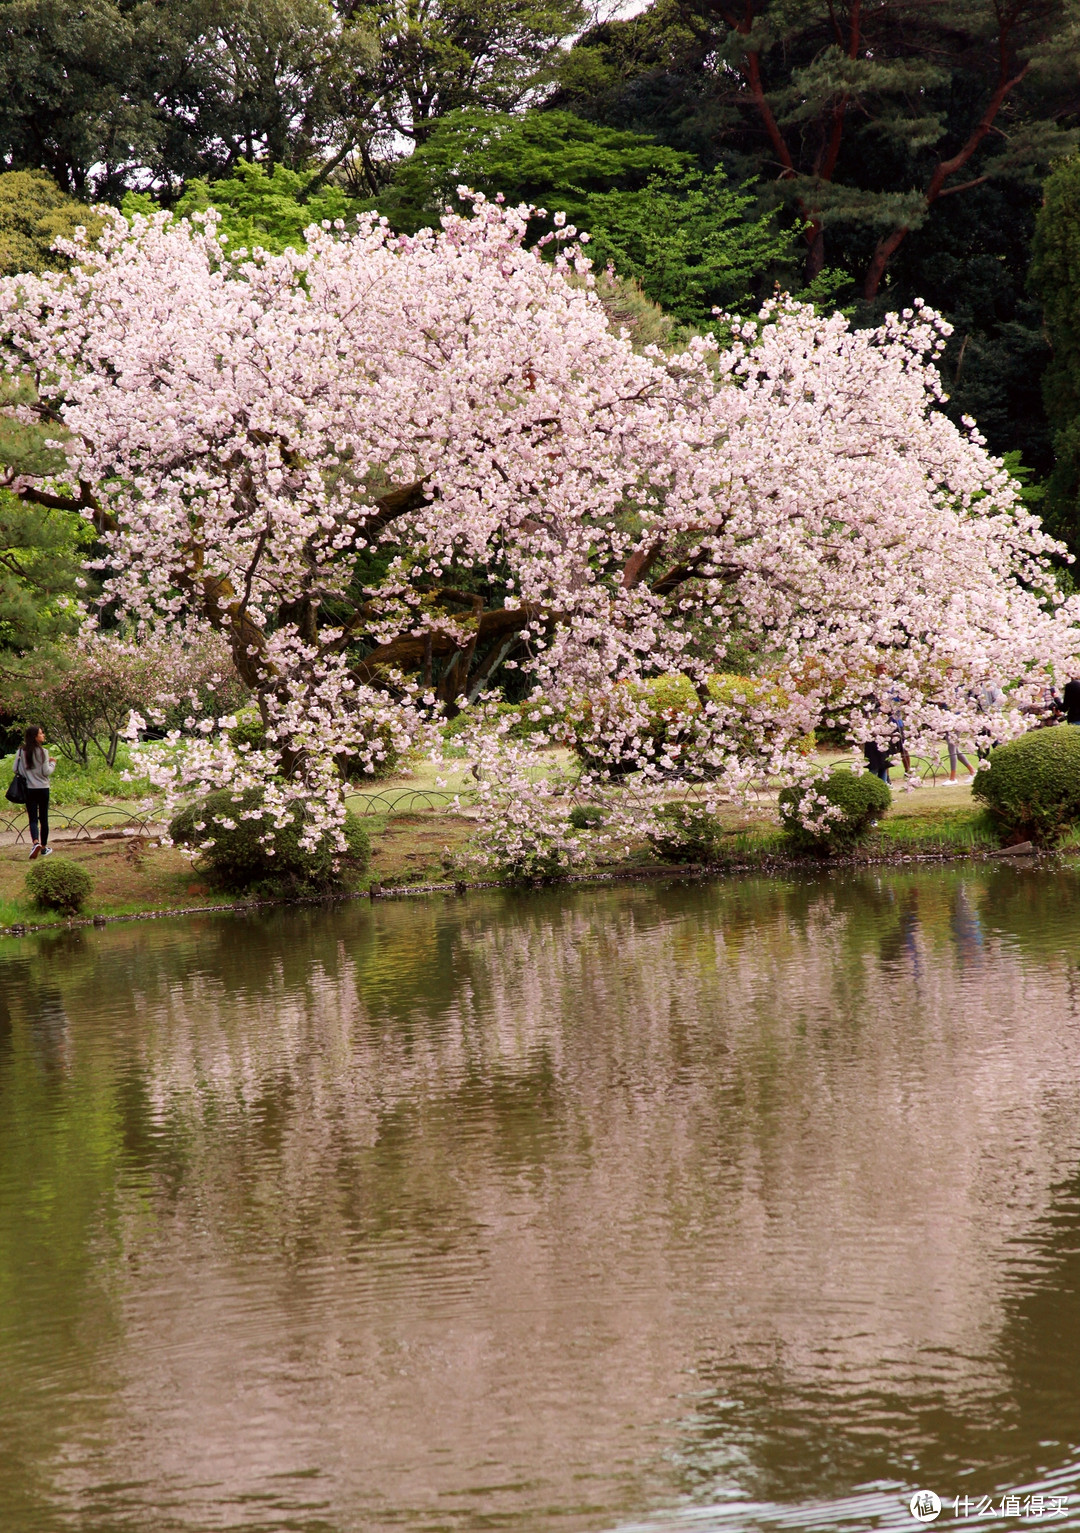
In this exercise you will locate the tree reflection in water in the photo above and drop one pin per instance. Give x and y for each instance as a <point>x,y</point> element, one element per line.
<point>554,1208</point>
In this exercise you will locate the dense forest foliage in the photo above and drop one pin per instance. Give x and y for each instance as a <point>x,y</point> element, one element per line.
<point>861,154</point>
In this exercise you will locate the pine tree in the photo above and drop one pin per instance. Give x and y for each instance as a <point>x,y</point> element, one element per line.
<point>1055,276</point>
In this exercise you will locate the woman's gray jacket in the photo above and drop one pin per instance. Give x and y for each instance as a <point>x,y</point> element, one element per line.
<point>37,776</point>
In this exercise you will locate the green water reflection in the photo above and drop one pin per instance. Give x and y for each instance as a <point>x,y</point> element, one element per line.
<point>748,1205</point>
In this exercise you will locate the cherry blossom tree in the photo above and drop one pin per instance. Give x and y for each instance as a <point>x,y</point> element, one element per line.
<point>389,469</point>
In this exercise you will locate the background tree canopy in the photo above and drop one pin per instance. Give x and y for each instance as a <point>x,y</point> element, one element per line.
<point>1056,278</point>
<point>907,141</point>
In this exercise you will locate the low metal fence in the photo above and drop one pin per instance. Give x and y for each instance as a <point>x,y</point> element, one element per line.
<point>927,769</point>
<point>410,800</point>
<point>108,821</point>
<point>77,824</point>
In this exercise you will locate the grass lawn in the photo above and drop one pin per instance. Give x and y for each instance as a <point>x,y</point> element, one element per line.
<point>417,834</point>
<point>127,879</point>
<point>79,786</point>
<point>130,877</point>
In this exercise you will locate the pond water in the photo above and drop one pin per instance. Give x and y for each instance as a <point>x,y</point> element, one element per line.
<point>744,1206</point>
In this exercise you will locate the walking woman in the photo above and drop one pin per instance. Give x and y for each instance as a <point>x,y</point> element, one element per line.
<point>37,766</point>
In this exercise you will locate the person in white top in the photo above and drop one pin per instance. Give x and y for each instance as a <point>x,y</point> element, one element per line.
<point>37,766</point>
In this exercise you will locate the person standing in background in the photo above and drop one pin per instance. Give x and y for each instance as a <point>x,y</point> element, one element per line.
<point>37,766</point>
<point>896,719</point>
<point>952,740</point>
<point>1070,700</point>
<point>989,699</point>
<point>955,755</point>
<point>877,760</point>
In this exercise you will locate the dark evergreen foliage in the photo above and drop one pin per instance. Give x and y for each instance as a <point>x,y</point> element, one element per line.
<point>1055,277</point>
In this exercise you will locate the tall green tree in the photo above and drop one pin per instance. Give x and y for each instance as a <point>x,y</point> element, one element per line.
<point>1055,277</point>
<point>864,115</point>
<point>551,159</point>
<point>442,56</point>
<point>41,561</point>
<point>270,208</point>
<point>34,213</point>
<point>282,82</point>
<point>104,94</point>
<point>43,547</point>
<point>970,262</point>
<point>66,103</point>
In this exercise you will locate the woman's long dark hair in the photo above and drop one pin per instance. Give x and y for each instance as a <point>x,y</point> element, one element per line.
<point>30,745</point>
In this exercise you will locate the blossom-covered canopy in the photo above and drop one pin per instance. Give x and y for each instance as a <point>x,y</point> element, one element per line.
<point>387,468</point>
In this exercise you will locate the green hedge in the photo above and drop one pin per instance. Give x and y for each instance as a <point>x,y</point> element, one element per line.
<point>54,883</point>
<point>1031,786</point>
<point>237,859</point>
<point>522,724</point>
<point>863,799</point>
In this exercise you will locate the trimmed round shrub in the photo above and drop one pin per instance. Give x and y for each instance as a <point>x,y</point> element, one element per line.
<point>586,816</point>
<point>687,833</point>
<point>238,856</point>
<point>55,883</point>
<point>862,800</point>
<point>1031,786</point>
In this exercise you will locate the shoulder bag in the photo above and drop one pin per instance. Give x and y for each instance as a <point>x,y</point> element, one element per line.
<point>16,793</point>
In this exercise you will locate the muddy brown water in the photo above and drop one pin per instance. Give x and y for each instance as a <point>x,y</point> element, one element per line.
<point>744,1206</point>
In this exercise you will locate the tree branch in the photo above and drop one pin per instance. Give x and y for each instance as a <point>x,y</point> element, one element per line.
<point>890,243</point>
<point>637,567</point>
<point>86,502</point>
<point>409,651</point>
<point>326,172</point>
<point>395,503</point>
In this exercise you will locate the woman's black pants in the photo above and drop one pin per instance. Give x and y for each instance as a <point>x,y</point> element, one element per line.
<point>37,807</point>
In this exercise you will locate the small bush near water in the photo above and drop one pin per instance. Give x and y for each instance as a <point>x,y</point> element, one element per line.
<point>861,799</point>
<point>1031,786</point>
<point>238,859</point>
<point>54,883</point>
<point>687,833</point>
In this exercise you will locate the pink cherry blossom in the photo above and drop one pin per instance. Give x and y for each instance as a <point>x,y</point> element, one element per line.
<point>326,454</point>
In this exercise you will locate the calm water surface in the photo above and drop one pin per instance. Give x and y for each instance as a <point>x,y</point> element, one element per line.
<point>749,1206</point>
